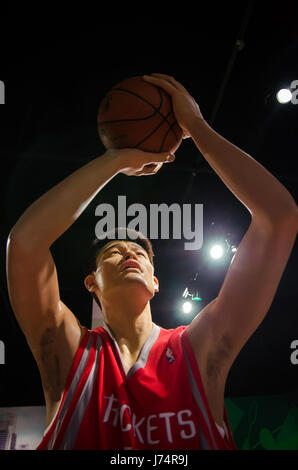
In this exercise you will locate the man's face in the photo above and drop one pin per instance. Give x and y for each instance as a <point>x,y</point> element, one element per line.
<point>124,265</point>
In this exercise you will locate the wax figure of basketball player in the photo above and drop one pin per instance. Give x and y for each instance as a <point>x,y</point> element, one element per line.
<point>134,384</point>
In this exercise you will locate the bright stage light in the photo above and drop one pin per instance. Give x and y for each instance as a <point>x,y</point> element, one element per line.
<point>187,307</point>
<point>284,96</point>
<point>216,251</point>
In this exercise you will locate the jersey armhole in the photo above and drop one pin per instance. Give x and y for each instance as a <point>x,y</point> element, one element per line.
<point>71,373</point>
<point>228,438</point>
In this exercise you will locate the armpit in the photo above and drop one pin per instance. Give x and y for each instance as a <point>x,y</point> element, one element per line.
<point>219,357</point>
<point>49,366</point>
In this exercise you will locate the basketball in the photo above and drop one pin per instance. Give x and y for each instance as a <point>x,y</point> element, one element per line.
<point>137,114</point>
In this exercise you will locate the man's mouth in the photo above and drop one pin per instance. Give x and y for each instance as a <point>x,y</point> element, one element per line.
<point>131,265</point>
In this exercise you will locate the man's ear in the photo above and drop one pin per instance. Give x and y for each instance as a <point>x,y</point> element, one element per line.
<point>89,282</point>
<point>156,284</point>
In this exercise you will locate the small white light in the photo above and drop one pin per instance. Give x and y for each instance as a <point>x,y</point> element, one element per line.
<point>233,249</point>
<point>284,96</point>
<point>216,251</point>
<point>185,293</point>
<point>187,307</point>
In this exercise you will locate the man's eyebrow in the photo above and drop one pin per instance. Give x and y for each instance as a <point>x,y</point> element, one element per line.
<point>135,245</point>
<point>101,253</point>
<point>111,246</point>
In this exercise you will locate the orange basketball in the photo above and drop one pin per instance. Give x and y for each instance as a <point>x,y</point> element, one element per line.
<point>137,114</point>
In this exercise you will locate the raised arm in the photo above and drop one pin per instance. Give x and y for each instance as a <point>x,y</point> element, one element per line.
<point>51,329</point>
<point>220,331</point>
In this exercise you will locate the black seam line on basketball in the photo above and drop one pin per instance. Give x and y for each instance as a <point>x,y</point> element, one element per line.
<point>144,99</point>
<point>171,128</point>
<point>154,130</point>
<point>140,119</point>
<point>157,110</point>
<point>165,118</point>
<point>125,120</point>
<point>134,119</point>
<point>167,133</point>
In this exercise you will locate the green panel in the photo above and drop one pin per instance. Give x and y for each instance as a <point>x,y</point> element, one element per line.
<point>263,423</point>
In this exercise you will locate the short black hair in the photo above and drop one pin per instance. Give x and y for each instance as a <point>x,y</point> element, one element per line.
<point>118,233</point>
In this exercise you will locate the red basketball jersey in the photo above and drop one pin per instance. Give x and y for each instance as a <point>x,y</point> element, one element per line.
<point>159,404</point>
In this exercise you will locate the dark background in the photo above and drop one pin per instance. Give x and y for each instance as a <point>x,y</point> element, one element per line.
<point>232,59</point>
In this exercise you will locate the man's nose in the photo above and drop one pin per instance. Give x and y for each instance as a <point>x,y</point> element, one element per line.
<point>130,254</point>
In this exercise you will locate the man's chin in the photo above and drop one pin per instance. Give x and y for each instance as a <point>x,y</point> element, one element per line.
<point>135,280</point>
<point>133,275</point>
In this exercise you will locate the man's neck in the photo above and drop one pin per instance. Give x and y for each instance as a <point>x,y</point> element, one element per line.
<point>129,328</point>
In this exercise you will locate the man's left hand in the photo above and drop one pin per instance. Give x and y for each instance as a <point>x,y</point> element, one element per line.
<point>186,109</point>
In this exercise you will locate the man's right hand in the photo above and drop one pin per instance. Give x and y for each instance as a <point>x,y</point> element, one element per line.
<point>135,162</point>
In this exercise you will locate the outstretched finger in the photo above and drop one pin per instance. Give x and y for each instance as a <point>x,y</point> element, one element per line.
<point>170,79</point>
<point>149,170</point>
<point>157,158</point>
<point>162,83</point>
<point>152,170</point>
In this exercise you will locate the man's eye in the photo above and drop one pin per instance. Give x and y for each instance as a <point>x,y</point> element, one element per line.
<point>141,253</point>
<point>115,251</point>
